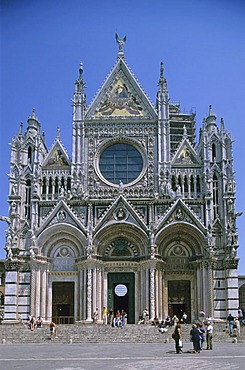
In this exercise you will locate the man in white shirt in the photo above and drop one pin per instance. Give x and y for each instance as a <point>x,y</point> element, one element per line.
<point>209,336</point>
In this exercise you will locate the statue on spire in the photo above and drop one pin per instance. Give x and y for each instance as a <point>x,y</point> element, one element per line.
<point>121,43</point>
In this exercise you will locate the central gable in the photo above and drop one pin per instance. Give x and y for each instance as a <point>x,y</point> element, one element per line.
<point>121,96</point>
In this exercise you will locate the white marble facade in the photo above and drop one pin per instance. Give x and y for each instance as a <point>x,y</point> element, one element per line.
<point>139,205</point>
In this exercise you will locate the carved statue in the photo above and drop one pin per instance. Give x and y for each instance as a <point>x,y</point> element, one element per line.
<point>120,42</point>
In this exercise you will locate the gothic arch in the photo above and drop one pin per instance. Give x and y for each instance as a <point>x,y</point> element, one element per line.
<point>135,239</point>
<point>186,236</point>
<point>56,236</point>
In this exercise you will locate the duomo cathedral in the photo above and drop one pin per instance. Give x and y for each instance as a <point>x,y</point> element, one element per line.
<point>140,215</point>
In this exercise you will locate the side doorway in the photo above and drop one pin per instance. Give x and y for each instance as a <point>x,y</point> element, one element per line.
<point>63,302</point>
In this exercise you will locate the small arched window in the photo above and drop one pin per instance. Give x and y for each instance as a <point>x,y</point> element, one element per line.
<point>213,152</point>
<point>30,154</point>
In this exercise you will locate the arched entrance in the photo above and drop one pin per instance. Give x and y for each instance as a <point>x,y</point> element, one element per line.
<point>121,294</point>
<point>63,302</point>
<point>179,298</point>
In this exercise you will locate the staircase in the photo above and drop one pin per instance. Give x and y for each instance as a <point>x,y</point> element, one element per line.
<point>83,333</point>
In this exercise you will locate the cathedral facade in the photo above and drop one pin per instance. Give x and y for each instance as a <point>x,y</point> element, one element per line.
<point>139,216</point>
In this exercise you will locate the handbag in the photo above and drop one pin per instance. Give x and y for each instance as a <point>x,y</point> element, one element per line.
<point>180,343</point>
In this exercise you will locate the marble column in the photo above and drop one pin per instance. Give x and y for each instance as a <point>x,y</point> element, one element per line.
<point>152,293</point>
<point>43,294</point>
<point>89,295</point>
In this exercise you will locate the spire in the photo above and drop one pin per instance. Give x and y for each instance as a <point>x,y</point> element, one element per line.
<point>162,84</point>
<point>21,129</point>
<point>121,43</point>
<point>222,124</point>
<point>33,122</point>
<point>80,84</point>
<point>211,118</point>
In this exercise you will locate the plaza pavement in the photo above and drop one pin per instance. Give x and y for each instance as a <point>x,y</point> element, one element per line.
<point>121,356</point>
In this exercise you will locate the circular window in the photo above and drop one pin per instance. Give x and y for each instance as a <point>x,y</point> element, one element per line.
<point>121,162</point>
<point>121,290</point>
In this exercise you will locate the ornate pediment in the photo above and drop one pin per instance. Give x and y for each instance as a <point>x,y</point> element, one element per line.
<point>57,158</point>
<point>121,96</point>
<point>186,155</point>
<point>61,214</point>
<point>180,212</point>
<point>121,211</point>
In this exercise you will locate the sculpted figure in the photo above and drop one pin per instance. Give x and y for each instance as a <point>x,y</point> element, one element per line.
<point>120,42</point>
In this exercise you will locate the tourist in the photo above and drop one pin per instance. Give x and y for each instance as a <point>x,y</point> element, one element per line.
<point>177,335</point>
<point>111,316</point>
<point>123,318</point>
<point>195,338</point>
<point>117,319</point>
<point>104,315</point>
<point>209,335</point>
<point>168,321</point>
<point>141,320</point>
<point>230,321</point>
<point>39,322</point>
<point>201,315</point>
<point>53,330</point>
<point>146,316</point>
<point>240,315</point>
<point>184,318</point>
<point>32,322</point>
<point>201,334</point>
<point>96,316</point>
<point>175,320</point>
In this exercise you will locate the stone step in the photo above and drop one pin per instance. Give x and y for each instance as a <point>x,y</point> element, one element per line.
<point>78,333</point>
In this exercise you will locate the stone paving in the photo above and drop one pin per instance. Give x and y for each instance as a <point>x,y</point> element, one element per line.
<point>122,356</point>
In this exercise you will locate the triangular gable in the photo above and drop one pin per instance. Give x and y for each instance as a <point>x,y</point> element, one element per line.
<point>121,211</point>
<point>61,214</point>
<point>57,157</point>
<point>180,212</point>
<point>186,155</point>
<point>121,96</point>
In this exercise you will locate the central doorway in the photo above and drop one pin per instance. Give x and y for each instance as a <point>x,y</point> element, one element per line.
<point>179,298</point>
<point>121,294</point>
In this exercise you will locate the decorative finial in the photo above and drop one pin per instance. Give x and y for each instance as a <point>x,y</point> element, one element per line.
<point>81,71</point>
<point>33,113</point>
<point>21,128</point>
<point>185,131</point>
<point>162,81</point>
<point>121,43</point>
<point>161,70</point>
<point>222,124</point>
<point>58,133</point>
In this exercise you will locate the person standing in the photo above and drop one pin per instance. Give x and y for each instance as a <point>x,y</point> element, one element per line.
<point>184,318</point>
<point>104,315</point>
<point>111,316</point>
<point>201,335</point>
<point>124,317</point>
<point>177,338</point>
<point>209,336</point>
<point>230,320</point>
<point>96,316</point>
<point>195,338</point>
<point>201,315</point>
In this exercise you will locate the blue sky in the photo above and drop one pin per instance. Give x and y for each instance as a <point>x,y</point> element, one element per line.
<point>202,45</point>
